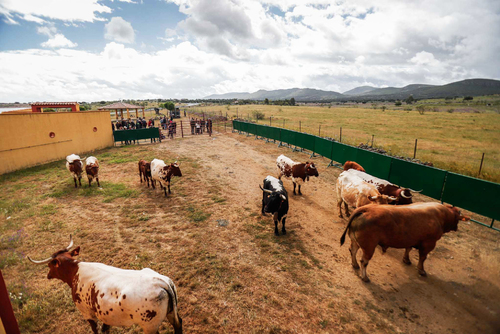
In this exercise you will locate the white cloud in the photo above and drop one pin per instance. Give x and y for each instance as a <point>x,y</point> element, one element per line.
<point>74,10</point>
<point>59,41</point>
<point>424,58</point>
<point>56,40</point>
<point>119,30</point>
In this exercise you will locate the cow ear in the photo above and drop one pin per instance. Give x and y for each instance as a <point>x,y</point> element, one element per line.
<point>75,252</point>
<point>55,263</point>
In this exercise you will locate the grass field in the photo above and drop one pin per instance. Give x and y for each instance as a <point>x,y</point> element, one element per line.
<point>453,141</point>
<point>235,277</point>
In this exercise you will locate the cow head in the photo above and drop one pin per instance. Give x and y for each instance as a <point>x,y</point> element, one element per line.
<point>381,199</point>
<point>175,168</point>
<point>147,168</point>
<point>62,265</point>
<point>457,217</point>
<point>273,201</point>
<point>405,196</point>
<point>311,169</point>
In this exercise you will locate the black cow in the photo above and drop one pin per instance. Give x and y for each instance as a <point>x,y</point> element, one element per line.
<point>275,201</point>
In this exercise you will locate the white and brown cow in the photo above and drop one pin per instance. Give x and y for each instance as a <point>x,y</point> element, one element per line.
<point>75,166</point>
<point>163,173</point>
<point>115,296</point>
<point>354,192</point>
<point>92,170</point>
<point>403,195</point>
<point>299,172</point>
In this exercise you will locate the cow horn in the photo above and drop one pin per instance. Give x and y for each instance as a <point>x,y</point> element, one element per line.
<point>392,198</point>
<point>414,191</point>
<point>404,196</point>
<point>283,196</point>
<point>40,262</point>
<point>70,242</point>
<point>265,190</point>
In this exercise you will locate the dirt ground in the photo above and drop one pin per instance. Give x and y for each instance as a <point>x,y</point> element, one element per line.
<point>240,278</point>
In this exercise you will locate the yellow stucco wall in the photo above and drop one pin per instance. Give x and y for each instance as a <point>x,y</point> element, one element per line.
<point>25,140</point>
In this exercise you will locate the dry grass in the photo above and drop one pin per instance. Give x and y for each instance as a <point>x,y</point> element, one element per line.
<point>451,141</point>
<point>238,278</point>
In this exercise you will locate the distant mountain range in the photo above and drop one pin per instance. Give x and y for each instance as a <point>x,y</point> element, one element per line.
<point>469,87</point>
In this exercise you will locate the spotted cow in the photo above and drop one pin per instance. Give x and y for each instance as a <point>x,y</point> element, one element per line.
<point>115,296</point>
<point>299,172</point>
<point>75,167</point>
<point>92,170</point>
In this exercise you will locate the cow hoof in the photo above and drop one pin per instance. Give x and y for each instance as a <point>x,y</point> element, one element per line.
<point>422,273</point>
<point>365,279</point>
<point>283,232</point>
<point>406,261</point>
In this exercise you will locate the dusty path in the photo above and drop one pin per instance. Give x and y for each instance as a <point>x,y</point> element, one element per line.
<point>460,295</point>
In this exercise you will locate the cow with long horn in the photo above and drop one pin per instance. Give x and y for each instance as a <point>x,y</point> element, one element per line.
<point>163,173</point>
<point>403,195</point>
<point>275,201</point>
<point>117,297</point>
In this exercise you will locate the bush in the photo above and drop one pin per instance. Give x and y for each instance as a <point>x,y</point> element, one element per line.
<point>451,110</point>
<point>421,109</point>
<point>398,103</point>
<point>258,114</point>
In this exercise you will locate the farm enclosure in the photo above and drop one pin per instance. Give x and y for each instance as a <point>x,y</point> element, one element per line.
<point>239,277</point>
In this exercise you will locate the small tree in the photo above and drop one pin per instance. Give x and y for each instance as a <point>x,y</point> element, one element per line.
<point>258,114</point>
<point>398,103</point>
<point>384,108</point>
<point>266,101</point>
<point>292,101</point>
<point>410,99</point>
<point>169,105</point>
<point>468,98</point>
<point>421,109</point>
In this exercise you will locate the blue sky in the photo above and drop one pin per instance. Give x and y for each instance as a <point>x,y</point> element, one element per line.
<point>91,50</point>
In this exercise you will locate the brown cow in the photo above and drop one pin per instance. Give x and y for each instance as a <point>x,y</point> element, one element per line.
<point>299,172</point>
<point>144,170</point>
<point>75,167</point>
<point>92,170</point>
<point>418,225</point>
<point>353,165</point>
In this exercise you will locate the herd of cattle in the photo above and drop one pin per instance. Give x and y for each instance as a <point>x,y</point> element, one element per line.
<point>383,215</point>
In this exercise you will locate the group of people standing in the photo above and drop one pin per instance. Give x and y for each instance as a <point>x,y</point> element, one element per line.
<point>198,126</point>
<point>128,124</point>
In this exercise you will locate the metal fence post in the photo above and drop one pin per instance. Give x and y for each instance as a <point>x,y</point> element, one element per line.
<point>480,166</point>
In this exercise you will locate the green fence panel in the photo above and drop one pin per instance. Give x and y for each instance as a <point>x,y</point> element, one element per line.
<point>342,153</point>
<point>476,195</point>
<point>305,140</point>
<point>288,136</point>
<point>252,128</point>
<point>147,133</point>
<point>237,125</point>
<point>263,131</point>
<point>374,163</point>
<point>418,177</point>
<point>122,135</point>
<point>275,133</point>
<point>323,147</point>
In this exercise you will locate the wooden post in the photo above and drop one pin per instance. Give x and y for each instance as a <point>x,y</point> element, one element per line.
<point>128,114</point>
<point>319,131</point>
<point>372,140</point>
<point>300,126</point>
<point>340,134</point>
<point>182,131</point>
<point>269,120</point>
<point>415,150</point>
<point>143,115</point>
<point>283,123</point>
<point>480,166</point>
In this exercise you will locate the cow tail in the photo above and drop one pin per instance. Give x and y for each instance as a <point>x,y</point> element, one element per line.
<point>353,216</point>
